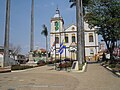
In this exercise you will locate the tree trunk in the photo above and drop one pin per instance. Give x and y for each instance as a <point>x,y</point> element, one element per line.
<point>79,31</point>
<point>110,48</point>
<point>32,28</point>
<point>46,48</point>
<point>7,30</point>
<point>82,30</point>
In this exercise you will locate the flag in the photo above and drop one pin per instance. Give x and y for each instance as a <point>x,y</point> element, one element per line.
<point>61,51</point>
<point>57,25</point>
<point>52,47</point>
<point>62,47</point>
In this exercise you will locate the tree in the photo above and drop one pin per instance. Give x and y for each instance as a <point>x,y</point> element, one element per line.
<point>32,27</point>
<point>45,32</point>
<point>15,50</point>
<point>80,11</point>
<point>80,32</point>
<point>105,14</point>
<point>85,4</point>
<point>7,31</point>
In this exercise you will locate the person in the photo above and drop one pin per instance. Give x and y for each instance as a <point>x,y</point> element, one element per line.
<point>103,57</point>
<point>51,59</point>
<point>98,56</point>
<point>89,58</point>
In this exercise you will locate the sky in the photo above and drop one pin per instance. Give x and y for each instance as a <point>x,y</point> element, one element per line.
<point>20,20</point>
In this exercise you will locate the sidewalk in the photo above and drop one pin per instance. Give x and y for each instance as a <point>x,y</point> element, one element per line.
<point>97,78</point>
<point>46,78</point>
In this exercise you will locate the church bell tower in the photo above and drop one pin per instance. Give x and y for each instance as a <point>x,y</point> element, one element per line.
<point>57,27</point>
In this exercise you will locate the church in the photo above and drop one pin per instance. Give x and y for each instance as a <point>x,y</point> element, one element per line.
<point>68,36</point>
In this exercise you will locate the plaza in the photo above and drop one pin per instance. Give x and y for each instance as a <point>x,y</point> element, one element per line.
<point>96,77</point>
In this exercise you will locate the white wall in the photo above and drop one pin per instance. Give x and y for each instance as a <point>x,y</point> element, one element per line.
<point>69,31</point>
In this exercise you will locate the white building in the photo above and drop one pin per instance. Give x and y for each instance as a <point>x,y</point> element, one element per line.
<point>70,36</point>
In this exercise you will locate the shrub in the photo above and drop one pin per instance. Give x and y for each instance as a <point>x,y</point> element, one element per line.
<point>67,59</point>
<point>18,67</point>
<point>50,62</point>
<point>41,63</point>
<point>57,61</point>
<point>112,65</point>
<point>65,65</point>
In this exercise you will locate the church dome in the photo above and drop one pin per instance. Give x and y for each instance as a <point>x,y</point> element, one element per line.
<point>57,14</point>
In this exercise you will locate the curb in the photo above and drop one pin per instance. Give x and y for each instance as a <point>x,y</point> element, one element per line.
<point>115,73</point>
<point>5,70</point>
<point>84,69</point>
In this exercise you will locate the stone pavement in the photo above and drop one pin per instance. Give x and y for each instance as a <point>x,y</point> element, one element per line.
<point>46,78</point>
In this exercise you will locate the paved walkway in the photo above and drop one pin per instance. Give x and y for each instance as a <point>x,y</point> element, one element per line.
<point>45,78</point>
<point>97,78</point>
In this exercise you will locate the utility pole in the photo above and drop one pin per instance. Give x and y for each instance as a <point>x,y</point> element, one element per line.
<point>79,32</point>
<point>7,30</point>
<point>32,27</point>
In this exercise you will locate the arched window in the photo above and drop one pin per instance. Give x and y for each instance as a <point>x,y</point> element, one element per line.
<point>91,51</point>
<point>57,39</point>
<point>90,37</point>
<point>73,37</point>
<point>73,28</point>
<point>66,38</point>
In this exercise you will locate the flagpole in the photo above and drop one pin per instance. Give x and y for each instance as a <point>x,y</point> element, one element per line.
<point>60,43</point>
<point>55,45</point>
<point>65,42</point>
<point>59,32</point>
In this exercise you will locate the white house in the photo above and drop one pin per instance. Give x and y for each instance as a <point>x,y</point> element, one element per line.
<point>69,34</point>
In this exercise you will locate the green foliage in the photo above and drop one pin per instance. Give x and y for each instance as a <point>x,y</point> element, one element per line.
<point>112,65</point>
<point>85,4</point>
<point>44,31</point>
<point>36,54</point>
<point>105,14</point>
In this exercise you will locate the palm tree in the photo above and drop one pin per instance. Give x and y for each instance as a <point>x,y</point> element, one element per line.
<point>79,32</point>
<point>80,11</point>
<point>32,27</point>
<point>7,31</point>
<point>45,33</point>
<point>84,2</point>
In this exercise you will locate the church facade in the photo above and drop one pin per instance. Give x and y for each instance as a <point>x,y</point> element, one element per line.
<point>68,36</point>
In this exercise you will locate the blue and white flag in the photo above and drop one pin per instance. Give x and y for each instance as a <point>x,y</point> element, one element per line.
<point>52,47</point>
<point>62,47</point>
